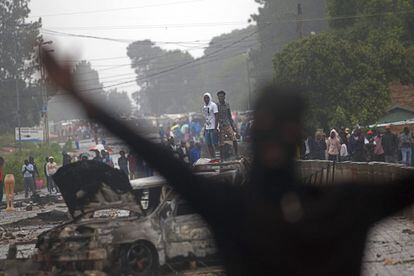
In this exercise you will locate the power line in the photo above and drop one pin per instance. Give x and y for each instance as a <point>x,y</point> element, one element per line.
<point>157,26</point>
<point>116,9</point>
<point>161,72</point>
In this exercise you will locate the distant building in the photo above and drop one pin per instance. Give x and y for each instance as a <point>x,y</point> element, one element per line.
<point>402,107</point>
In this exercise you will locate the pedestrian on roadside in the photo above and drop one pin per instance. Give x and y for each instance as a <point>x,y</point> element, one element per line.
<point>28,171</point>
<point>66,158</point>
<point>344,155</point>
<point>106,158</point>
<point>123,163</point>
<point>320,146</point>
<point>389,143</point>
<point>35,170</point>
<point>45,174</point>
<point>51,169</point>
<point>378,148</point>
<point>77,142</point>
<point>333,146</point>
<point>210,112</point>
<point>356,146</point>
<point>405,145</point>
<point>133,168</point>
<point>227,127</point>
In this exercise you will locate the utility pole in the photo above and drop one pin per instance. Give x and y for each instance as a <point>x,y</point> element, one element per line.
<point>299,24</point>
<point>43,88</point>
<point>249,103</point>
<point>16,78</point>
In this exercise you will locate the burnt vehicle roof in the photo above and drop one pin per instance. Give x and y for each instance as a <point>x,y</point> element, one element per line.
<point>87,185</point>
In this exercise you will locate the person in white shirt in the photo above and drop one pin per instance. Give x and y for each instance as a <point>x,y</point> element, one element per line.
<point>51,169</point>
<point>27,171</point>
<point>210,112</point>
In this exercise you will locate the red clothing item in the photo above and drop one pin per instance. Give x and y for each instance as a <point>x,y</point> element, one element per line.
<point>132,163</point>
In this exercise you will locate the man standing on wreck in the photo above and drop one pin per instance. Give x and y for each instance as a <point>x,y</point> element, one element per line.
<point>210,112</point>
<point>273,225</point>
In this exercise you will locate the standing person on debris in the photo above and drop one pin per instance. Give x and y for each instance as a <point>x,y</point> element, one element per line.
<point>51,169</point>
<point>390,145</point>
<point>28,171</point>
<point>405,144</point>
<point>123,163</point>
<point>210,112</point>
<point>1,178</point>
<point>227,127</point>
<point>333,146</point>
<point>268,225</point>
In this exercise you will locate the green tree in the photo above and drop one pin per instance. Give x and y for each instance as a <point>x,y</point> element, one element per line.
<point>278,25</point>
<point>119,103</point>
<point>17,65</point>
<point>344,81</point>
<point>167,86</point>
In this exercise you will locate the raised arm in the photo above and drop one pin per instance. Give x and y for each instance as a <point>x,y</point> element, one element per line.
<point>195,189</point>
<point>371,202</point>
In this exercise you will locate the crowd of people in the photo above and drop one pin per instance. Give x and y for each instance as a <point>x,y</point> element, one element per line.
<point>32,179</point>
<point>377,144</point>
<point>218,131</point>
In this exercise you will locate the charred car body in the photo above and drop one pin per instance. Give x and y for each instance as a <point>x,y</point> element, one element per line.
<point>111,232</point>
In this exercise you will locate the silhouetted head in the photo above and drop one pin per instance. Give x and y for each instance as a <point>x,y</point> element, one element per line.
<point>221,95</point>
<point>122,153</point>
<point>406,130</point>
<point>388,129</point>
<point>26,162</point>
<point>207,98</point>
<point>277,129</point>
<point>31,159</point>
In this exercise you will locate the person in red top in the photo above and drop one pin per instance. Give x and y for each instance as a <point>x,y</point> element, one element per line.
<point>1,178</point>
<point>132,162</point>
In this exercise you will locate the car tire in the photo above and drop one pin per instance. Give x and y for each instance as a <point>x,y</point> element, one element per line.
<point>140,259</point>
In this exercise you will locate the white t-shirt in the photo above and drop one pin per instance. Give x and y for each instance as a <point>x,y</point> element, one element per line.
<point>208,112</point>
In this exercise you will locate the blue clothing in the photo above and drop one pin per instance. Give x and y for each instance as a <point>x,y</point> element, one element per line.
<point>195,154</point>
<point>406,156</point>
<point>211,137</point>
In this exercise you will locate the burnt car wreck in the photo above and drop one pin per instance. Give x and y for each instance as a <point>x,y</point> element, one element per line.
<point>124,228</point>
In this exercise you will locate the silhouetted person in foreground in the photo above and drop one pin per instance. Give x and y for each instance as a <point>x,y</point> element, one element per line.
<point>273,225</point>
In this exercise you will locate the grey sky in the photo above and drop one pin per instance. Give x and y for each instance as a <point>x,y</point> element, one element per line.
<point>183,24</point>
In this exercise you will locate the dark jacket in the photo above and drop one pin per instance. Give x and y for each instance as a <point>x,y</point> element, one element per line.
<point>389,143</point>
